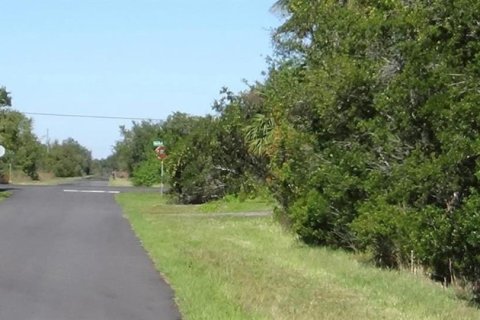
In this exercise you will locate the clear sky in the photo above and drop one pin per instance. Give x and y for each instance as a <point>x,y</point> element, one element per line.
<point>140,58</point>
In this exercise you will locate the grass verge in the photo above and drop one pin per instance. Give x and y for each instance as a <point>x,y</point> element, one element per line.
<point>4,195</point>
<point>120,182</point>
<point>249,268</point>
<point>231,204</point>
<point>125,182</point>
<point>45,178</point>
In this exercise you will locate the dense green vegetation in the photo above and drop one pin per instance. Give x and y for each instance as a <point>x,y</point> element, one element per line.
<point>375,142</point>
<point>241,267</point>
<point>4,195</point>
<point>365,131</point>
<point>26,153</point>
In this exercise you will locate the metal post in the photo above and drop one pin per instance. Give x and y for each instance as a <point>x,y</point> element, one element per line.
<point>161,180</point>
<point>10,173</point>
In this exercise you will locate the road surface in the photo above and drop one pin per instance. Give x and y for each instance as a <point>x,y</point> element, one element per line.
<point>66,253</point>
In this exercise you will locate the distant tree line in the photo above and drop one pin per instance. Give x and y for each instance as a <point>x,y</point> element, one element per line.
<point>208,156</point>
<point>25,152</point>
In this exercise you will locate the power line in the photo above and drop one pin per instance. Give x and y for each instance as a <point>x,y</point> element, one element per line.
<point>88,116</point>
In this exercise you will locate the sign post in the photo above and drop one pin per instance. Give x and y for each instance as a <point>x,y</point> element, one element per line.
<point>160,151</point>
<point>161,180</point>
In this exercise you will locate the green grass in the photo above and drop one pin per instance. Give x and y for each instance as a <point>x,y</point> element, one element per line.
<point>50,182</point>
<point>4,195</point>
<point>232,204</point>
<point>249,268</point>
<point>125,182</point>
<point>120,182</point>
<point>45,178</point>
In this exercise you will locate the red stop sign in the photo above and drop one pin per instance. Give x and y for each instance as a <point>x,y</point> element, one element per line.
<point>161,152</point>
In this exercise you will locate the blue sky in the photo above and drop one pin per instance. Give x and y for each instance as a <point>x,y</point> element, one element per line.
<point>127,58</point>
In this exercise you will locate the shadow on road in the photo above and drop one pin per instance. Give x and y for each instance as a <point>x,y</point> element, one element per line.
<point>7,187</point>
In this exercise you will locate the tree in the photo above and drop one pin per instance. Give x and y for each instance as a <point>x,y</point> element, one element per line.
<point>371,126</point>
<point>69,159</point>
<point>213,159</point>
<point>193,175</point>
<point>23,148</point>
<point>103,167</point>
<point>136,144</point>
<point>5,99</point>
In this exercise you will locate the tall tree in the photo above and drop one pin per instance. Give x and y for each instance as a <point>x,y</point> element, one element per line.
<point>16,135</point>
<point>136,144</point>
<point>69,159</point>
<point>5,98</point>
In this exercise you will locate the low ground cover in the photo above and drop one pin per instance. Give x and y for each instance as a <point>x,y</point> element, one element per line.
<point>4,195</point>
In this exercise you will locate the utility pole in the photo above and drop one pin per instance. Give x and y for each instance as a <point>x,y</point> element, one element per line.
<point>48,141</point>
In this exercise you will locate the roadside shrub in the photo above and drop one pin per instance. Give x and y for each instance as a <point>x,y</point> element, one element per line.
<point>450,242</point>
<point>384,229</point>
<point>147,173</point>
<point>466,239</point>
<point>194,179</point>
<point>312,219</point>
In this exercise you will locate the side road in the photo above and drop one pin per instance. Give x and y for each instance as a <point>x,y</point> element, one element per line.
<point>71,255</point>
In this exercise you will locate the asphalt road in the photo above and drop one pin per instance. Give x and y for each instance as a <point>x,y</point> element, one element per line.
<point>66,253</point>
